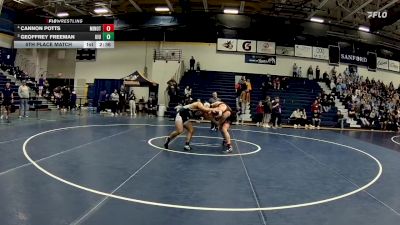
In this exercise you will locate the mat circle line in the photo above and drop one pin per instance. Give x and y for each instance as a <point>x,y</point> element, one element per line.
<point>189,207</point>
<point>396,142</point>
<point>206,154</point>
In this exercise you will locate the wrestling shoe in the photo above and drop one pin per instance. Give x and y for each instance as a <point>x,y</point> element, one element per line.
<point>187,148</point>
<point>228,150</point>
<point>166,143</point>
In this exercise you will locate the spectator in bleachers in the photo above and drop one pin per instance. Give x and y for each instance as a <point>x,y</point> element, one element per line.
<point>198,67</point>
<point>284,83</point>
<point>188,92</point>
<point>277,83</point>
<point>114,102</point>
<point>213,99</point>
<point>192,62</point>
<point>333,71</point>
<point>310,73</point>
<point>23,93</point>
<point>7,95</point>
<point>264,90</point>
<point>317,73</point>
<point>325,78</point>
<point>259,114</point>
<point>276,113</point>
<point>299,72</point>
<point>295,70</point>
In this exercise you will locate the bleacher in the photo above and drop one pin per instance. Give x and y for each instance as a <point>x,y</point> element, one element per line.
<point>300,94</point>
<point>34,103</point>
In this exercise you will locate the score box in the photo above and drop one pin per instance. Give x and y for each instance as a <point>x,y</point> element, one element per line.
<point>108,36</point>
<point>108,27</point>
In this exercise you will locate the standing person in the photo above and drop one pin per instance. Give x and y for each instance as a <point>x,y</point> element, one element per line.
<point>316,114</point>
<point>276,113</point>
<point>295,70</point>
<point>310,73</point>
<point>132,103</point>
<point>182,121</point>
<point>225,117</point>
<point>74,97</point>
<point>122,100</point>
<point>267,112</point>
<point>259,113</point>
<point>213,99</point>
<point>41,85</point>
<point>66,97</point>
<point>114,102</point>
<point>192,62</point>
<point>23,93</point>
<point>249,88</point>
<point>317,73</point>
<point>8,99</point>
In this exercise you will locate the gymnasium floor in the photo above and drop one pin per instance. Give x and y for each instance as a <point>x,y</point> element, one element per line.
<point>97,170</point>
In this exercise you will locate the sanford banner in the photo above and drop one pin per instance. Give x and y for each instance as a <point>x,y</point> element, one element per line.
<point>353,58</point>
<point>260,59</point>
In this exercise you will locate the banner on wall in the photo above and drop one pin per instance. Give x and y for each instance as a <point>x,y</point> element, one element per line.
<point>266,47</point>
<point>246,46</point>
<point>224,44</point>
<point>394,65</point>
<point>382,63</point>
<point>352,58</point>
<point>260,59</point>
<point>320,53</point>
<point>281,50</point>
<point>303,51</point>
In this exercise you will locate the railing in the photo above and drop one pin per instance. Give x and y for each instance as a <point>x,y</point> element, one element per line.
<point>167,54</point>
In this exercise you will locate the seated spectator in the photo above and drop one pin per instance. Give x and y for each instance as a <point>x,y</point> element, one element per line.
<point>304,121</point>
<point>352,114</point>
<point>295,118</point>
<point>277,83</point>
<point>258,118</point>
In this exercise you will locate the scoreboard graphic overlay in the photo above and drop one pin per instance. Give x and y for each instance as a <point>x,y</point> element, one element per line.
<point>65,33</point>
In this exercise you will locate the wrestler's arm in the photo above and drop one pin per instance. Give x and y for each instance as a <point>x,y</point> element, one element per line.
<point>201,107</point>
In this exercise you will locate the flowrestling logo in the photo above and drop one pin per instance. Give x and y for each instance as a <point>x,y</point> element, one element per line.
<point>376,14</point>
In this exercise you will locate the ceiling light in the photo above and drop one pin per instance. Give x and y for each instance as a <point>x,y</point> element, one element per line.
<point>101,10</point>
<point>62,14</point>
<point>317,20</point>
<point>231,11</point>
<point>162,9</point>
<point>364,28</point>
